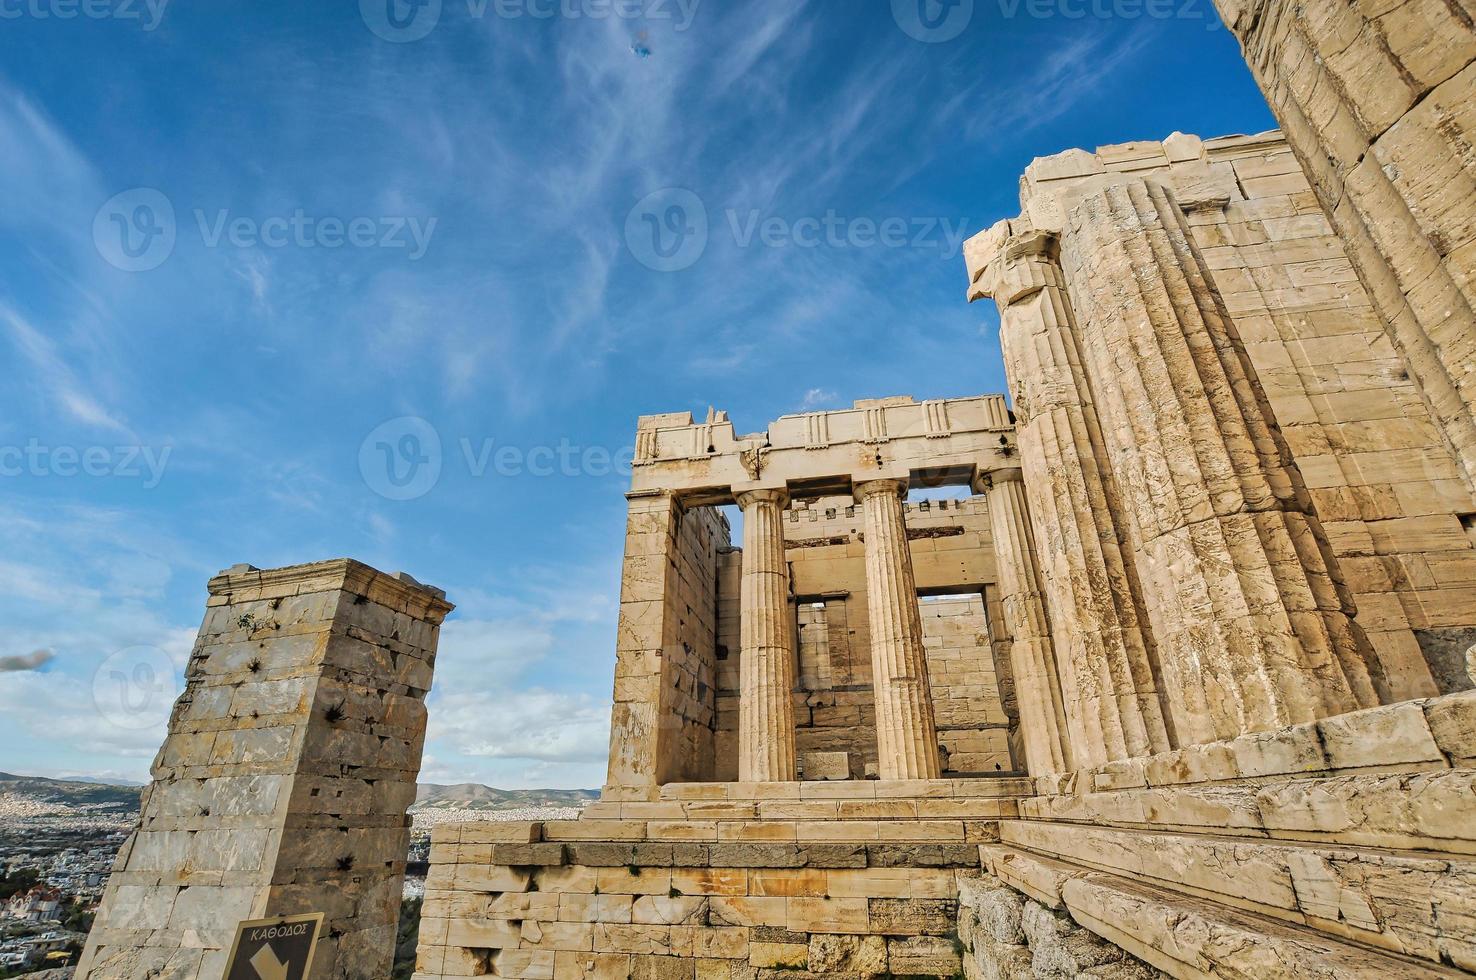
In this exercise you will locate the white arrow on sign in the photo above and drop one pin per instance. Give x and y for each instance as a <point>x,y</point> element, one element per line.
<point>267,966</point>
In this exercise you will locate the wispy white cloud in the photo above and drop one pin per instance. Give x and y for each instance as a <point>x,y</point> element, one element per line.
<point>56,376</point>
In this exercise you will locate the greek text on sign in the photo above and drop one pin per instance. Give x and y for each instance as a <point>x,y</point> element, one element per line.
<point>275,949</point>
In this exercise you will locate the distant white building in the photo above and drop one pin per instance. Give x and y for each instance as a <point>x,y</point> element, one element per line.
<point>40,904</point>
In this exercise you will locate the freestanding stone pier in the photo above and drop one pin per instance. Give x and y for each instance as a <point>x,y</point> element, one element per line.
<point>283,784</point>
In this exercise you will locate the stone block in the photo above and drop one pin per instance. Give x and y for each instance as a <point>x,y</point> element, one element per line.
<point>923,956</point>
<point>852,956</point>
<point>912,917</point>
<point>779,956</point>
<point>1395,734</point>
<point>826,765</point>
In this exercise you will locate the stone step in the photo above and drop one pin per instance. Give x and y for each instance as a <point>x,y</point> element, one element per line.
<point>854,789</point>
<point>804,831</point>
<point>1194,939</point>
<point>971,808</point>
<point>1434,811</point>
<point>1421,904</point>
<point>1426,734</point>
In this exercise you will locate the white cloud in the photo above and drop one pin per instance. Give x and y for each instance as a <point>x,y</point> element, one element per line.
<point>528,724</point>
<point>56,376</point>
<point>818,398</point>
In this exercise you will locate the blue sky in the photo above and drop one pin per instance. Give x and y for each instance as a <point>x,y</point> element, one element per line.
<point>491,238</point>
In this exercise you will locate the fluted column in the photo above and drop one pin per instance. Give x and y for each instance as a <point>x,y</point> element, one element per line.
<point>767,668</point>
<point>1032,657</point>
<point>1103,650</point>
<point>906,735</point>
<point>1252,629</point>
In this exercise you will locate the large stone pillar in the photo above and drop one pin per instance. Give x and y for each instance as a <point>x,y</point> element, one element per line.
<point>646,629</point>
<point>1103,651</point>
<point>906,735</point>
<point>282,786</point>
<point>1376,101</point>
<point>766,628</point>
<point>1032,657</point>
<point>1253,630</point>
<point>662,719</point>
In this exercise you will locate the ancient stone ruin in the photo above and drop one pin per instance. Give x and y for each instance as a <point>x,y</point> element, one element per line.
<point>1177,682</point>
<point>282,788</point>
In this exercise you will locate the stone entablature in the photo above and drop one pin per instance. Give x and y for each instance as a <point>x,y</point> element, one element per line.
<point>947,441</point>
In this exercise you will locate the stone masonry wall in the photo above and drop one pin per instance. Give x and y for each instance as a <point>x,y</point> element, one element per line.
<point>283,784</point>
<point>689,689</point>
<point>1008,936</point>
<point>1377,101</point>
<point>967,704</point>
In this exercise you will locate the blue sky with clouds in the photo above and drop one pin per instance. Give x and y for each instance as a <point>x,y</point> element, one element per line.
<point>247,245</point>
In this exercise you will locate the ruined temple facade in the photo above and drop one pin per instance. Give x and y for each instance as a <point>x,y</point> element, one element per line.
<point>775,666</point>
<point>1179,680</point>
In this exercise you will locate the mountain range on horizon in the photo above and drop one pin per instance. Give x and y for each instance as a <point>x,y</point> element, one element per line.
<point>96,791</point>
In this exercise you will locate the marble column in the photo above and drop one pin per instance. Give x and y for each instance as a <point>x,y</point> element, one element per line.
<point>1032,656</point>
<point>906,735</point>
<point>767,667</point>
<point>1104,654</point>
<point>1253,630</point>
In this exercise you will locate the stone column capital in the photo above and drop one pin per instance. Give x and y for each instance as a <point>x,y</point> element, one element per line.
<point>870,488</point>
<point>760,495</point>
<point>1013,260</point>
<point>991,478</point>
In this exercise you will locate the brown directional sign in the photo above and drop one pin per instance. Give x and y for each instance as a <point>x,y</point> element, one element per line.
<point>275,949</point>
